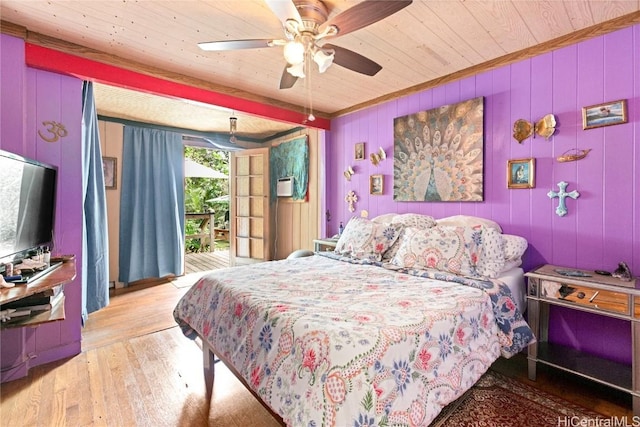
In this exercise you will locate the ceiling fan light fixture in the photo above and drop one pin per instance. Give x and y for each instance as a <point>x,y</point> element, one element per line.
<point>291,28</point>
<point>330,31</point>
<point>294,52</point>
<point>323,59</point>
<point>306,23</point>
<point>297,70</point>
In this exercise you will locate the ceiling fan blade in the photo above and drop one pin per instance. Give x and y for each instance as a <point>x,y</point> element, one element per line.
<point>284,10</point>
<point>354,61</point>
<point>287,80</point>
<point>363,14</point>
<point>236,44</point>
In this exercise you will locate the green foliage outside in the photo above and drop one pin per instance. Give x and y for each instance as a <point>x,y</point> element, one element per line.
<point>200,192</point>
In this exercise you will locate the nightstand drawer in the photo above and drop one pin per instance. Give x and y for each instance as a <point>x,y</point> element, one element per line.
<point>615,302</point>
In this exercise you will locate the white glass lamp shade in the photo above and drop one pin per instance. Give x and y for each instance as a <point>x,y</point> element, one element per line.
<point>294,53</point>
<point>296,70</point>
<point>323,60</point>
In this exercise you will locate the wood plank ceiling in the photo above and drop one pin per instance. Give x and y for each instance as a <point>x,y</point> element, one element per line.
<point>425,43</point>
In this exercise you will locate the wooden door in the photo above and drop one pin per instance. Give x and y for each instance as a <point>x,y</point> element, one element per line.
<point>250,211</point>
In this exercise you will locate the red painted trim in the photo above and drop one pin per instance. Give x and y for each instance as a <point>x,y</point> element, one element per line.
<point>87,69</point>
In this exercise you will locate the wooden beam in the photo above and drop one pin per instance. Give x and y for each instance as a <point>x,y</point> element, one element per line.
<point>265,107</point>
<point>13,29</point>
<point>48,59</point>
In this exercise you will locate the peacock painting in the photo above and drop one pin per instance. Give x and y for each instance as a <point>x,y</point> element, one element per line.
<point>438,154</point>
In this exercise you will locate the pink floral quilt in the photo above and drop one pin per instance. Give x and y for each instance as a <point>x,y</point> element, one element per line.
<point>325,342</point>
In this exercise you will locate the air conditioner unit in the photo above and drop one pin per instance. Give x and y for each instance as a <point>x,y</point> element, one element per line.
<point>285,187</point>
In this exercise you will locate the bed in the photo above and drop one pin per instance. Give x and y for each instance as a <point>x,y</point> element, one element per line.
<point>385,330</point>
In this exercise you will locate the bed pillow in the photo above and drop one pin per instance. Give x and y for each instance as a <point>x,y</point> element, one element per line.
<point>414,220</point>
<point>365,239</point>
<point>468,221</point>
<point>385,218</point>
<point>490,246</point>
<point>393,250</point>
<point>464,251</point>
<point>514,247</point>
<point>449,249</point>
<point>509,265</point>
<point>407,220</point>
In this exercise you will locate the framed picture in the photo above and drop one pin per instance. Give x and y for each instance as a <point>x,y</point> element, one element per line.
<point>376,184</point>
<point>607,114</point>
<point>109,168</point>
<point>414,135</point>
<point>521,173</point>
<point>358,152</point>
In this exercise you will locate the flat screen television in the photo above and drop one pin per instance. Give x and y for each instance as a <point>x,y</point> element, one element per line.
<point>27,205</point>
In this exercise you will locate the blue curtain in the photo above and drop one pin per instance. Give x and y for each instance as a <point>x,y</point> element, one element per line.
<point>95,241</point>
<point>151,204</point>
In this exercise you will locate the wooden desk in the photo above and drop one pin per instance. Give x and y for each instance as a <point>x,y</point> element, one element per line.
<point>206,219</point>
<point>60,276</point>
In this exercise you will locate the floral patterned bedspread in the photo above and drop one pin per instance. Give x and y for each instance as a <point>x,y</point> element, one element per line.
<point>330,343</point>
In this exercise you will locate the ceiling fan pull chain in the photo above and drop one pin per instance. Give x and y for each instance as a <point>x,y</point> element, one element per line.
<point>307,83</point>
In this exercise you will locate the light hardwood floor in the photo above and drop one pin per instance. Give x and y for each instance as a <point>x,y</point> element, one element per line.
<point>138,369</point>
<point>200,261</point>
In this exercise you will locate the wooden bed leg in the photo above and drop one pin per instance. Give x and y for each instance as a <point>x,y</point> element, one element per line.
<point>208,365</point>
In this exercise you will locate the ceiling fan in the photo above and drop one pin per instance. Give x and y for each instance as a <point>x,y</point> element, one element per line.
<point>306,27</point>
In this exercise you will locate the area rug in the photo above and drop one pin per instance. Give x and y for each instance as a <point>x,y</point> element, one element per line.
<point>500,401</point>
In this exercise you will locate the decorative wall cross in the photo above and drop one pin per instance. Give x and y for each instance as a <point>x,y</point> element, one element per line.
<point>561,210</point>
<point>351,199</point>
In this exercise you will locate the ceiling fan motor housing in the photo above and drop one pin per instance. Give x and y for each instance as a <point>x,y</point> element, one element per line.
<point>313,13</point>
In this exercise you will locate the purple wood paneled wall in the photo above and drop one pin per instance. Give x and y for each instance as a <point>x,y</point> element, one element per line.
<point>602,226</point>
<point>28,97</point>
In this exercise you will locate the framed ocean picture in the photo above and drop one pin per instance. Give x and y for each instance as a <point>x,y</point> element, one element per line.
<point>607,114</point>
